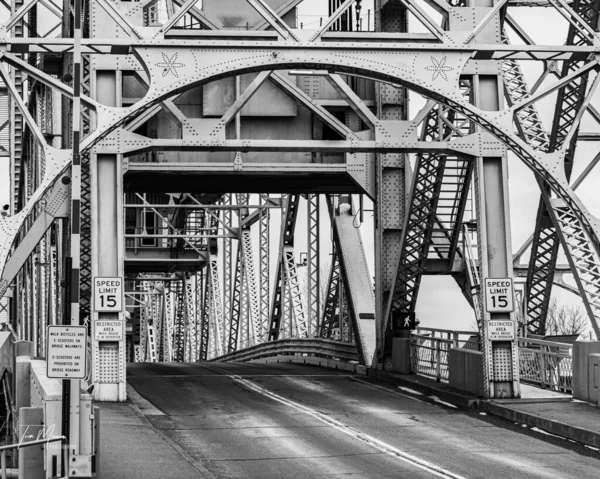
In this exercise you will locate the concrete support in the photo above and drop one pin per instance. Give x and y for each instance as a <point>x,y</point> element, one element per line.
<point>401,355</point>
<point>108,357</point>
<point>586,378</point>
<point>22,382</point>
<point>465,372</point>
<point>31,428</point>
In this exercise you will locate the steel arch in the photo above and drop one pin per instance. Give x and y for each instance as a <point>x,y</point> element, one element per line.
<point>221,59</point>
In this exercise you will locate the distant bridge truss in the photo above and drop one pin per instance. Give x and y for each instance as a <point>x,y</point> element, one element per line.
<point>227,165</point>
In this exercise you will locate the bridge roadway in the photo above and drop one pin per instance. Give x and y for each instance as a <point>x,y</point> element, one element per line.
<point>227,420</point>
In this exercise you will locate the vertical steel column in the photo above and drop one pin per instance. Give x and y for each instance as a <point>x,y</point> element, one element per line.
<point>144,298</point>
<point>251,318</point>
<point>217,305</point>
<point>75,240</point>
<point>287,286</point>
<point>168,321</point>
<point>190,321</point>
<point>106,206</point>
<point>205,336</point>
<point>16,122</point>
<point>313,276</point>
<point>180,322</point>
<point>265,238</point>
<point>501,374</point>
<point>391,188</point>
<point>332,297</point>
<point>236,304</point>
<point>227,253</point>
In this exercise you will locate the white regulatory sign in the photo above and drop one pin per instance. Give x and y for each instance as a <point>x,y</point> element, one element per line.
<point>501,330</point>
<point>108,295</point>
<point>66,352</point>
<point>499,295</point>
<point>108,330</point>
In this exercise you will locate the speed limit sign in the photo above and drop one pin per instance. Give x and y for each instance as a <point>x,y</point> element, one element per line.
<point>499,295</point>
<point>108,295</point>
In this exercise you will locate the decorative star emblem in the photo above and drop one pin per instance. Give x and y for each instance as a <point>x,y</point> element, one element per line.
<point>439,69</point>
<point>170,65</point>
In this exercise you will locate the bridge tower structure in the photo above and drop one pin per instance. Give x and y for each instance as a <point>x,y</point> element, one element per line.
<point>229,157</point>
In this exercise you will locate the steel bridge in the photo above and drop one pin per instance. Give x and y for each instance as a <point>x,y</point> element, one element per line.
<point>222,163</point>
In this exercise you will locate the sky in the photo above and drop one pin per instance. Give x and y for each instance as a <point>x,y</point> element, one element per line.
<point>440,295</point>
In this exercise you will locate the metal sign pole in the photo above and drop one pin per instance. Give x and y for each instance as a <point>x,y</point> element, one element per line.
<point>75,387</point>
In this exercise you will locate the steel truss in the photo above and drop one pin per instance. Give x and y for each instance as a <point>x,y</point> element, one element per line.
<point>438,197</point>
<point>288,315</point>
<point>432,65</point>
<point>546,238</point>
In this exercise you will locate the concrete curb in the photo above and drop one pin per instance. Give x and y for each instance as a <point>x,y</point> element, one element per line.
<point>498,409</point>
<point>427,387</point>
<point>578,434</point>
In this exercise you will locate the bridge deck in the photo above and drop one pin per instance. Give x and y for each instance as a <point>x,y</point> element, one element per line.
<point>282,420</point>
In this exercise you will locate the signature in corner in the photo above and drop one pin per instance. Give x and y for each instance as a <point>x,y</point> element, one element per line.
<point>30,434</point>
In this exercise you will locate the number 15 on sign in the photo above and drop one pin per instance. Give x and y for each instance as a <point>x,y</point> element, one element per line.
<point>499,295</point>
<point>108,294</point>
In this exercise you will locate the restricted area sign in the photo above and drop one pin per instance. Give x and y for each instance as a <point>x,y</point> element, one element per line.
<point>501,330</point>
<point>108,330</point>
<point>108,295</point>
<point>499,295</point>
<point>66,352</point>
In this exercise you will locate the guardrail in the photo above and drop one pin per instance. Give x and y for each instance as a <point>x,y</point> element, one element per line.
<point>21,445</point>
<point>459,339</point>
<point>304,346</point>
<point>429,350</point>
<point>546,364</point>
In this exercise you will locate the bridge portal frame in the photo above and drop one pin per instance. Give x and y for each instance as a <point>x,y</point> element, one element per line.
<point>353,58</point>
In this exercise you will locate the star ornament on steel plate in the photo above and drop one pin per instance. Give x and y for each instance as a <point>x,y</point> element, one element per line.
<point>170,64</point>
<point>439,69</point>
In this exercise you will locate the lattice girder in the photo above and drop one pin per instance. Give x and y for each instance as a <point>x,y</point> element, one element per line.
<point>364,62</point>
<point>570,99</point>
<point>438,88</point>
<point>329,317</point>
<point>216,313</point>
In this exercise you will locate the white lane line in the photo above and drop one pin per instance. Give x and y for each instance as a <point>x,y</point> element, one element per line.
<point>439,401</point>
<point>410,391</point>
<point>392,391</point>
<point>349,431</point>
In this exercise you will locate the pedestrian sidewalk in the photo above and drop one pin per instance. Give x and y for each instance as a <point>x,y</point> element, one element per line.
<point>131,447</point>
<point>550,411</point>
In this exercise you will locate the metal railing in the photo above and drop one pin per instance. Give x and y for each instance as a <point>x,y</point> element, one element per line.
<point>546,364</point>
<point>429,349</point>
<point>21,445</point>
<point>311,346</point>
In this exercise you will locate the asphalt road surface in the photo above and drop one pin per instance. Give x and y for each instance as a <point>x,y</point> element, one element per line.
<point>290,421</point>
